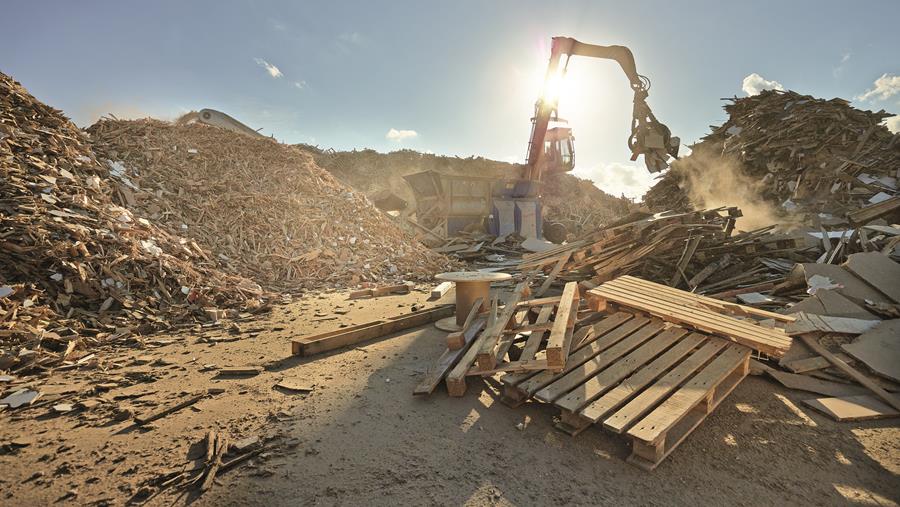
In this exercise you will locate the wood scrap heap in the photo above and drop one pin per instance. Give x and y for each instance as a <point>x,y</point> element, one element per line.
<point>697,250</point>
<point>805,154</point>
<point>76,269</point>
<point>264,208</point>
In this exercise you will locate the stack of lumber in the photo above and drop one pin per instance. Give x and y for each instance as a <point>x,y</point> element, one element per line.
<point>695,250</point>
<point>265,209</point>
<point>77,270</point>
<point>807,153</point>
<point>574,202</point>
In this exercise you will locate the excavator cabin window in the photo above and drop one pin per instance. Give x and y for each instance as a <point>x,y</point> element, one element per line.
<point>559,155</point>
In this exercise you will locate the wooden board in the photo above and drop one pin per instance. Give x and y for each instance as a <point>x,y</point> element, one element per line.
<point>688,311</point>
<point>560,340</point>
<point>877,270</point>
<point>814,385</point>
<point>323,342</point>
<point>879,349</point>
<point>448,360</point>
<point>486,356</point>
<point>853,408</point>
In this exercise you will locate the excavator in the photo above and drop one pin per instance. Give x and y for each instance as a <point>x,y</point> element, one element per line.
<point>551,149</point>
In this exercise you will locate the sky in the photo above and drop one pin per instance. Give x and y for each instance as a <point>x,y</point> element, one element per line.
<point>454,78</point>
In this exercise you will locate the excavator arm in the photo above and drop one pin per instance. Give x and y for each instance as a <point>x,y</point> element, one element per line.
<point>648,136</point>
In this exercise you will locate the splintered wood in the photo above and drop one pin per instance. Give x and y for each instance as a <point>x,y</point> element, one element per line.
<point>645,378</point>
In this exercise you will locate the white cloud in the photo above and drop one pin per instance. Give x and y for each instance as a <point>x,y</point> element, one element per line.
<point>754,84</point>
<point>271,69</point>
<point>885,87</point>
<point>400,135</point>
<point>300,84</point>
<point>619,179</point>
<point>893,124</point>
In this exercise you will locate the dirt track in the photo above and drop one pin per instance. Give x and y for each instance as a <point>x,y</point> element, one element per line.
<point>361,438</point>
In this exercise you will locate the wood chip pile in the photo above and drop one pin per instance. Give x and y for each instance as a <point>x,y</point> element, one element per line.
<point>265,209</point>
<point>77,270</point>
<point>807,153</point>
<point>574,202</point>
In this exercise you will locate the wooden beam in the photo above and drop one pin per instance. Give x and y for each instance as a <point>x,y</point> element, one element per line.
<point>448,360</point>
<point>323,342</point>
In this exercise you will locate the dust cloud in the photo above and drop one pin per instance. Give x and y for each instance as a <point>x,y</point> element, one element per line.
<point>712,180</point>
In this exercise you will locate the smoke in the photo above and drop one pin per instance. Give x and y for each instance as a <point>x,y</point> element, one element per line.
<point>712,180</point>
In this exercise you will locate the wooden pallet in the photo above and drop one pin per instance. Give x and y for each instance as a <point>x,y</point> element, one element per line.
<point>641,376</point>
<point>731,321</point>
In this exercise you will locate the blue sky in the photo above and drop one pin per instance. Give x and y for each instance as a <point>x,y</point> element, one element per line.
<point>456,78</point>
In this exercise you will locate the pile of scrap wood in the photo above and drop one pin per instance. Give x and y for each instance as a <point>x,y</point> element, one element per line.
<point>77,270</point>
<point>633,356</point>
<point>696,250</point>
<point>265,209</point>
<point>805,154</point>
<point>849,349</point>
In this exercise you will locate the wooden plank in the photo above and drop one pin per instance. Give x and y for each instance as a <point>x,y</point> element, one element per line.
<point>814,344</point>
<point>553,300</point>
<point>644,402</point>
<point>380,291</point>
<point>633,384</point>
<point>879,349</point>
<point>536,337</point>
<point>553,274</point>
<point>597,385</point>
<point>440,289</point>
<point>560,340</point>
<point>318,343</point>
<point>877,270</point>
<point>853,408</point>
<point>487,353</point>
<point>655,425</point>
<point>456,339</point>
<point>448,360</point>
<point>584,353</point>
<point>811,363</point>
<point>456,379</point>
<point>579,374</point>
<point>773,342</point>
<point>814,385</point>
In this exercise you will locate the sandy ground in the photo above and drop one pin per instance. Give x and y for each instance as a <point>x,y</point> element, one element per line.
<point>361,438</point>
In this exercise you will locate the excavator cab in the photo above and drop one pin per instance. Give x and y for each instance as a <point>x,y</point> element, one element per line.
<point>559,150</point>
